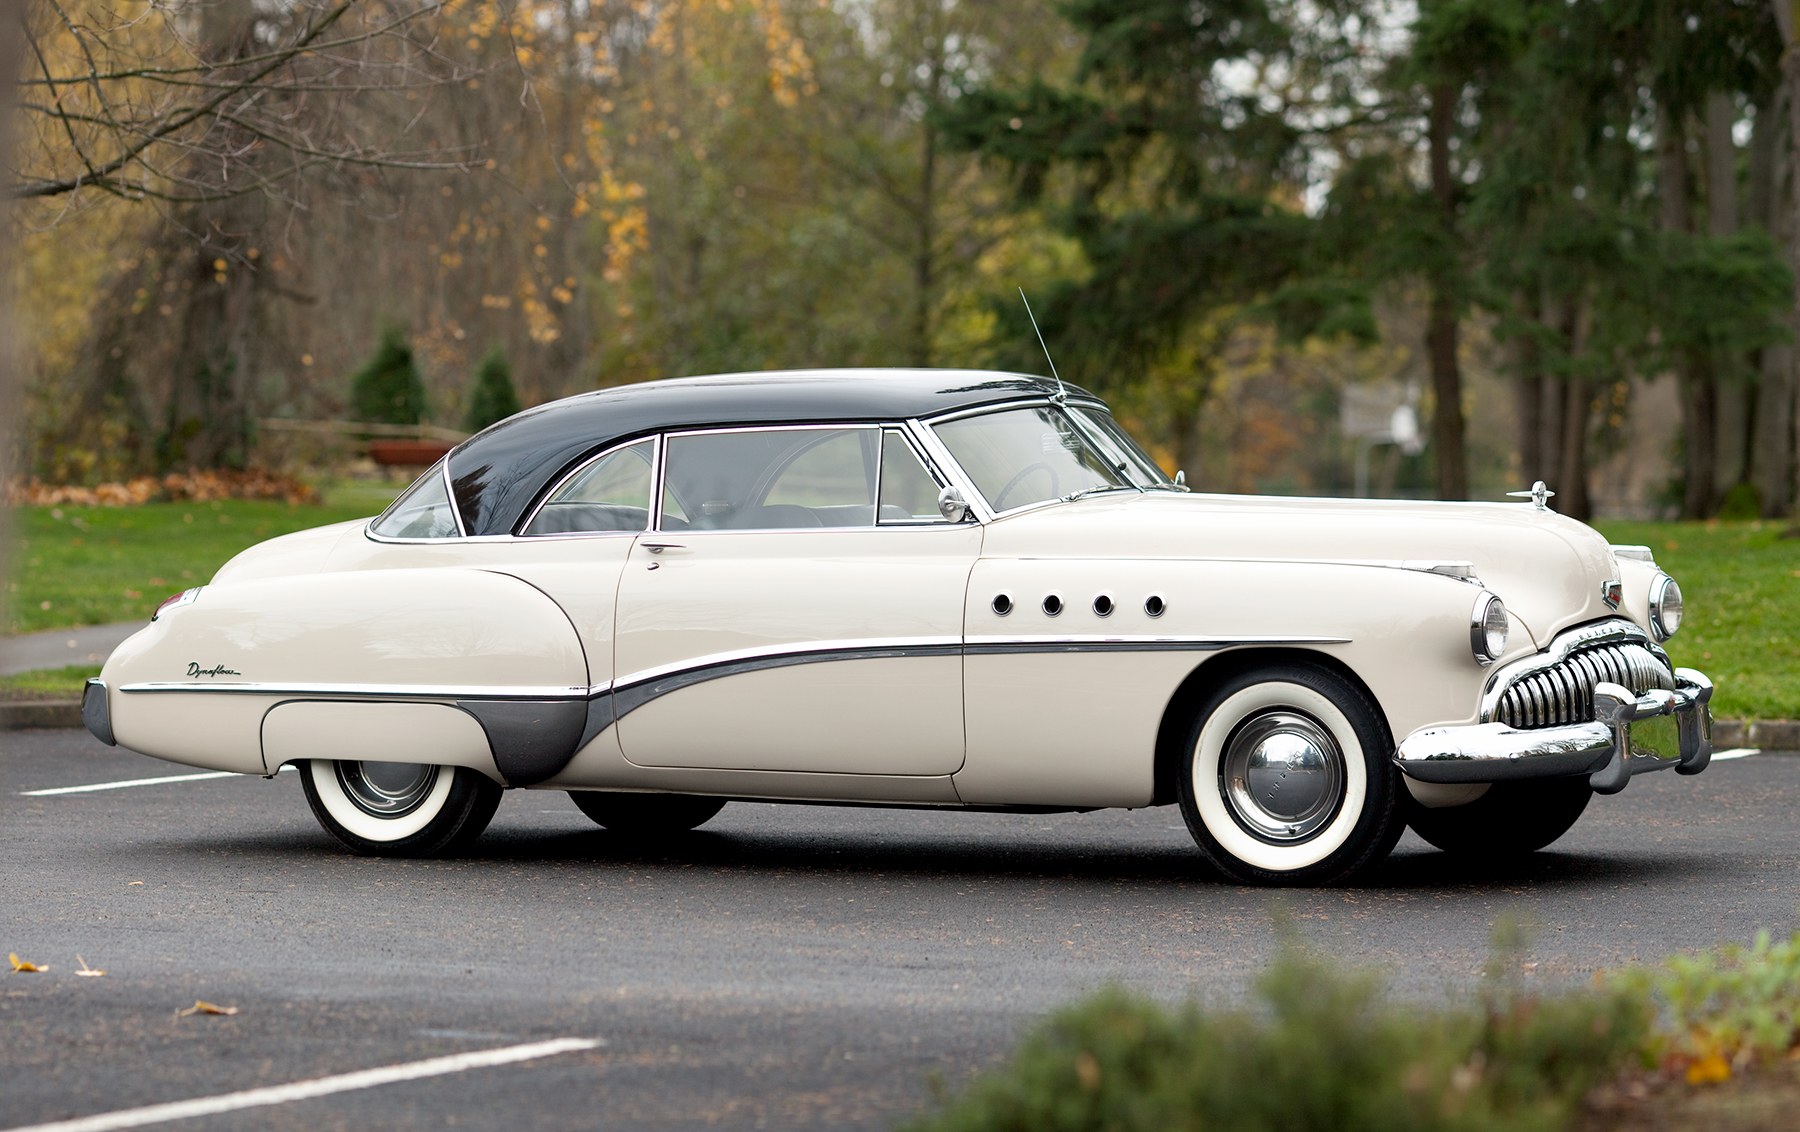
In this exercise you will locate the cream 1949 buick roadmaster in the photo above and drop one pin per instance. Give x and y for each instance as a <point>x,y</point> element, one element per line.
<point>917,588</point>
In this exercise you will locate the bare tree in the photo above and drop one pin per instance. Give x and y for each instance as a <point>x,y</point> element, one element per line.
<point>193,100</point>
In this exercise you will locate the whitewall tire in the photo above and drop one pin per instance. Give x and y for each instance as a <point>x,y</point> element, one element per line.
<point>399,809</point>
<point>1288,778</point>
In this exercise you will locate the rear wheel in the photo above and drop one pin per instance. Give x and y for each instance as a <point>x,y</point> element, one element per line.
<point>646,813</point>
<point>1288,779</point>
<point>1511,819</point>
<point>387,809</point>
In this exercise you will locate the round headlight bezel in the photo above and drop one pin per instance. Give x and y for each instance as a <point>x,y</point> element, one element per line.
<point>1488,628</point>
<point>1667,608</point>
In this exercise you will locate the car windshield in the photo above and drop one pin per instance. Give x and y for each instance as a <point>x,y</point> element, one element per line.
<point>1126,452</point>
<point>1017,457</point>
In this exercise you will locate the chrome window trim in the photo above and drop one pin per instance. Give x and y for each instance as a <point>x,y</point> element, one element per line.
<point>941,461</point>
<point>470,540</point>
<point>911,441</point>
<point>563,481</point>
<point>1614,631</point>
<point>658,477</point>
<point>462,529</point>
<point>1023,402</point>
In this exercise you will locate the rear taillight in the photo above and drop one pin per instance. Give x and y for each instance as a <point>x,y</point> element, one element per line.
<point>176,601</point>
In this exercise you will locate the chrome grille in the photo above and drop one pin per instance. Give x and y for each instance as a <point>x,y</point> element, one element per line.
<point>1564,692</point>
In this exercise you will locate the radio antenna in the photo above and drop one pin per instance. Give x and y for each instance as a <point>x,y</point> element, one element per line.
<point>1062,394</point>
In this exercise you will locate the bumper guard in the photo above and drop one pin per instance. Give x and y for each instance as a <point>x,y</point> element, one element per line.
<point>96,713</point>
<point>1605,750</point>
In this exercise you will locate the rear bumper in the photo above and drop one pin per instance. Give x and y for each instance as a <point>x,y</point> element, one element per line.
<point>96,712</point>
<point>1606,749</point>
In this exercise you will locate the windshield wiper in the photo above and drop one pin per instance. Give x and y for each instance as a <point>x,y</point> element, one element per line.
<point>1103,488</point>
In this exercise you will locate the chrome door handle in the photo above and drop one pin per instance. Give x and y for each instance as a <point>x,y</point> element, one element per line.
<point>659,547</point>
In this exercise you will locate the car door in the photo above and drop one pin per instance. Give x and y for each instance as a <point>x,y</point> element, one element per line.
<point>799,608</point>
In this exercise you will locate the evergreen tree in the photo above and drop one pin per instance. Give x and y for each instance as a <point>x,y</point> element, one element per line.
<point>493,397</point>
<point>388,389</point>
<point>1179,182</point>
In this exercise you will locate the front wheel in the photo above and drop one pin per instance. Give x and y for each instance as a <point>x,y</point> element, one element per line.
<point>646,814</point>
<point>382,809</point>
<point>1510,820</point>
<point>1287,778</point>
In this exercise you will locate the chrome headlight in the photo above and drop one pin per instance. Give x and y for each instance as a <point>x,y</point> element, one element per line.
<point>1665,607</point>
<point>1487,629</point>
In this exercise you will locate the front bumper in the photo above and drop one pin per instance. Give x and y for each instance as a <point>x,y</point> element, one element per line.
<point>1606,750</point>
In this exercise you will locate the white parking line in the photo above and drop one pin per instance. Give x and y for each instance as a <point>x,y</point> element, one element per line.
<point>317,1087</point>
<point>92,787</point>
<point>122,785</point>
<point>1736,753</point>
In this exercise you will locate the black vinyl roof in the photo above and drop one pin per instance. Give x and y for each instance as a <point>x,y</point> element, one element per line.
<point>499,472</point>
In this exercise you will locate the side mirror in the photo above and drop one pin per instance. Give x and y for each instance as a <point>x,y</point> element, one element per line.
<point>952,505</point>
<point>1181,481</point>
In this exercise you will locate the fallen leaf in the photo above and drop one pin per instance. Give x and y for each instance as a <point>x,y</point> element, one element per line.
<point>87,970</point>
<point>1708,1070</point>
<point>24,966</point>
<point>129,883</point>
<point>203,1007</point>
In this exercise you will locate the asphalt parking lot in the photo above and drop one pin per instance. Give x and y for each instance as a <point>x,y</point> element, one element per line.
<point>783,967</point>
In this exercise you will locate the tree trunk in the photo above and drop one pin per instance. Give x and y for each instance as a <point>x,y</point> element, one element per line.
<point>1698,403</point>
<point>208,413</point>
<point>1735,400</point>
<point>1577,408</point>
<point>1528,390</point>
<point>925,255</point>
<point>1787,15</point>
<point>1444,310</point>
<point>1774,468</point>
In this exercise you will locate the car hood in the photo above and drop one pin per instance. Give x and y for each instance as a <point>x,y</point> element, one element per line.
<point>1547,568</point>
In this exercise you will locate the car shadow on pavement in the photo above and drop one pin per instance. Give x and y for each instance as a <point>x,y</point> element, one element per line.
<point>961,857</point>
<point>1546,868</point>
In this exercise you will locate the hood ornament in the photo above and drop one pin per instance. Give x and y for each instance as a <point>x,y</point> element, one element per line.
<point>1539,495</point>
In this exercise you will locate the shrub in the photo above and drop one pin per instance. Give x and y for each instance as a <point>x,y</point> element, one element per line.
<point>493,397</point>
<point>1325,1051</point>
<point>388,390</point>
<point>1721,1010</point>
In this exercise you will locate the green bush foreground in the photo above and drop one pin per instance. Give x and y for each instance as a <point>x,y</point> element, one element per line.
<point>1320,1049</point>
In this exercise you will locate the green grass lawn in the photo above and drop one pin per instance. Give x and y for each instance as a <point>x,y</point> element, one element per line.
<point>1741,585</point>
<point>47,683</point>
<point>92,565</point>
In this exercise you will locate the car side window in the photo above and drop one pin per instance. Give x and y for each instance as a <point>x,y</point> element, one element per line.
<point>771,479</point>
<point>422,511</point>
<point>909,491</point>
<point>610,494</point>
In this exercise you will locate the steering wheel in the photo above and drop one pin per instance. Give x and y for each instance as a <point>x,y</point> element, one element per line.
<point>1018,476</point>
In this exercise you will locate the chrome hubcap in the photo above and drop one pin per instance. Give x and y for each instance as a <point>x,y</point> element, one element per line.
<point>1282,776</point>
<point>386,790</point>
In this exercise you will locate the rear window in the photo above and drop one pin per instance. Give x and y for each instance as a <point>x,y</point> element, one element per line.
<point>422,511</point>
